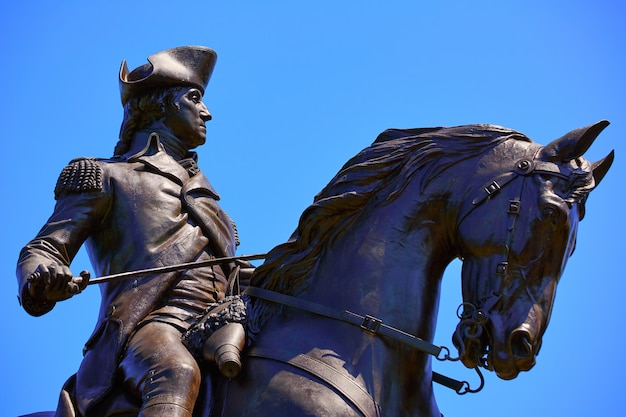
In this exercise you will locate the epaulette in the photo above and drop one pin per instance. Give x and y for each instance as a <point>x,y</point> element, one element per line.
<point>79,176</point>
<point>232,222</point>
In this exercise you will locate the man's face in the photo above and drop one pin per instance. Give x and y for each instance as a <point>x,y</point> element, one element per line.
<point>187,122</point>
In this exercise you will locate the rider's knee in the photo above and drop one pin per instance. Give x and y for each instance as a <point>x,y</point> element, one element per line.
<point>164,409</point>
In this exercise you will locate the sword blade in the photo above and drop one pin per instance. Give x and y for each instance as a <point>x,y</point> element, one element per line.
<point>171,268</point>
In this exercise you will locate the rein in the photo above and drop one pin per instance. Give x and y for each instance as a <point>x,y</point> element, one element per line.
<point>369,324</point>
<point>375,327</point>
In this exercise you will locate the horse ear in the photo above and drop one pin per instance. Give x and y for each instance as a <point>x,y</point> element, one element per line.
<point>574,144</point>
<point>601,167</point>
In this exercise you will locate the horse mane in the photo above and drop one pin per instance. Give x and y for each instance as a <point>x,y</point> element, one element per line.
<point>382,170</point>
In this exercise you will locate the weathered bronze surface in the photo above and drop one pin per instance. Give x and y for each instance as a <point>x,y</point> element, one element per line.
<point>373,245</point>
<point>147,206</point>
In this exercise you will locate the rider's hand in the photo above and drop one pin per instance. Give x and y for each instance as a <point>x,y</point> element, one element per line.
<point>55,282</point>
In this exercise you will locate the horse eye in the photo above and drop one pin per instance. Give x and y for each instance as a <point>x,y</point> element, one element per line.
<point>549,213</point>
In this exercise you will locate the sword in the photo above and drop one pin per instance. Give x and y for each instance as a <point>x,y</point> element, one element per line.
<point>35,276</point>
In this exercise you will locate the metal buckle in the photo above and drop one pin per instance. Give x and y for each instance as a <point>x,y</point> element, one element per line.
<point>371,324</point>
<point>492,188</point>
<point>514,207</point>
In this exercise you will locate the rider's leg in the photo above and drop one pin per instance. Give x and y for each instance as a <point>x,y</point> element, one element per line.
<point>159,369</point>
<point>164,410</point>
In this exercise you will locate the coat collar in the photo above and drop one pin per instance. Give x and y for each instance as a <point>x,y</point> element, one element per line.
<point>149,142</point>
<point>154,156</point>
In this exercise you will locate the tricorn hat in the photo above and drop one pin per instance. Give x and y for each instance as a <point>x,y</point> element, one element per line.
<point>185,65</point>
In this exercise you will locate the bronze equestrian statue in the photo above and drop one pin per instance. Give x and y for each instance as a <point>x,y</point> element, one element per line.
<point>341,317</point>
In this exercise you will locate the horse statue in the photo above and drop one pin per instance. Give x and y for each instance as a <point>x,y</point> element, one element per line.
<point>342,316</point>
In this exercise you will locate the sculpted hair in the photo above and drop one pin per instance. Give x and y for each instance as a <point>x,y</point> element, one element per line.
<point>142,110</point>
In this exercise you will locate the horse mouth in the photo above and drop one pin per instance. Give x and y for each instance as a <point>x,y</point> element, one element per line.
<point>477,348</point>
<point>472,343</point>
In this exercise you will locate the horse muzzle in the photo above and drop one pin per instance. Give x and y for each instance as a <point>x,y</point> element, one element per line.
<point>478,342</point>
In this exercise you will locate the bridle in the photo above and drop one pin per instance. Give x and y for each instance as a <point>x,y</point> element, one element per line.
<point>475,317</point>
<point>522,169</point>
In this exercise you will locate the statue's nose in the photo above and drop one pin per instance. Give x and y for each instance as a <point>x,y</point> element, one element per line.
<point>205,114</point>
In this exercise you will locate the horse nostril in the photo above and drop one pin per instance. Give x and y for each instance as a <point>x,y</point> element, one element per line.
<point>520,344</point>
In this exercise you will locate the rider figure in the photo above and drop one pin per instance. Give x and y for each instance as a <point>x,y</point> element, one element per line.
<point>147,206</point>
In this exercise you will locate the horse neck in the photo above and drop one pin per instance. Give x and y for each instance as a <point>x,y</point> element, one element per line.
<point>389,262</point>
<point>389,265</point>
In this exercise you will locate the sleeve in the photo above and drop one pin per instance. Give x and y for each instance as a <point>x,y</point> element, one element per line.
<point>82,204</point>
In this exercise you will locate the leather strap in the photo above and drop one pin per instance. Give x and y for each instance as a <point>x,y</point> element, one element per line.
<point>522,167</point>
<point>347,387</point>
<point>367,323</point>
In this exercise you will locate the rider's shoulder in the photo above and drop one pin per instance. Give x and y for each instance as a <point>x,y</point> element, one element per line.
<point>81,175</point>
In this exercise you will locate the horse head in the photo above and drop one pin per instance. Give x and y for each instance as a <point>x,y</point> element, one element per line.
<point>516,230</point>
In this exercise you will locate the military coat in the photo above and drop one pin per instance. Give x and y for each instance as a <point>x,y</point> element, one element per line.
<point>133,212</point>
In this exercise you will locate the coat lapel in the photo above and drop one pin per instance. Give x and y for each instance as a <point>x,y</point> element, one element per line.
<point>163,164</point>
<point>197,195</point>
<point>200,199</point>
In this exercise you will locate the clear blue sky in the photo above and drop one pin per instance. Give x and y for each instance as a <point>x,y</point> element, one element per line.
<point>299,88</point>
